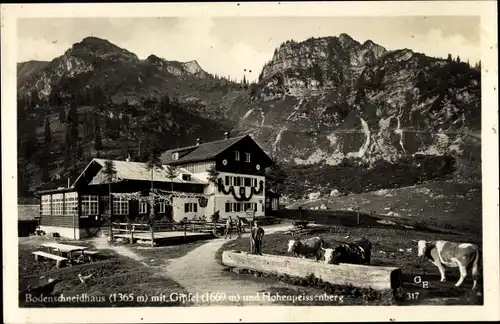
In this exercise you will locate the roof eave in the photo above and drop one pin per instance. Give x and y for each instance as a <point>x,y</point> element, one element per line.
<point>178,162</point>
<point>55,190</point>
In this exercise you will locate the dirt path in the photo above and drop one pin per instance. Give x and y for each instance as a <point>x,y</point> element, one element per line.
<point>200,273</point>
<point>102,243</point>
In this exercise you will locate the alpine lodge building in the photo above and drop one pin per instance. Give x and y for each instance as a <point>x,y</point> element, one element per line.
<point>190,192</point>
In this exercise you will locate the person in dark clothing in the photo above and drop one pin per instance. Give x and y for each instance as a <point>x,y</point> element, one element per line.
<point>257,237</point>
<point>239,226</point>
<point>229,227</point>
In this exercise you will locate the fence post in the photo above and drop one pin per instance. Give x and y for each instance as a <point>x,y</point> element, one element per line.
<point>152,235</point>
<point>132,228</point>
<point>185,229</point>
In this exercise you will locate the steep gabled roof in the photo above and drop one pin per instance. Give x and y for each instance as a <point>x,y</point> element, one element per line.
<point>138,171</point>
<point>202,152</point>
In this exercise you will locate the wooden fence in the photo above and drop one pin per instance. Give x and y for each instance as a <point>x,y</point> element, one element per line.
<point>194,226</point>
<point>128,230</point>
<point>328,217</point>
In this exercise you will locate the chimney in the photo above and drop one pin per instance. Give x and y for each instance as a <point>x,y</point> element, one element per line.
<point>198,141</point>
<point>227,135</point>
<point>68,183</point>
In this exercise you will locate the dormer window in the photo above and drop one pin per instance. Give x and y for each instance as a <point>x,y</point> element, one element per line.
<point>186,177</point>
<point>236,155</point>
<point>247,157</point>
<point>175,156</point>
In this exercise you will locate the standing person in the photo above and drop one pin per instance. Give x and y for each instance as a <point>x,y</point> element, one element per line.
<point>239,226</point>
<point>229,227</point>
<point>256,240</point>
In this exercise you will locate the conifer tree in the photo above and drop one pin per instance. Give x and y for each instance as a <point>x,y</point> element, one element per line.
<point>62,114</point>
<point>110,175</point>
<point>48,132</point>
<point>97,134</point>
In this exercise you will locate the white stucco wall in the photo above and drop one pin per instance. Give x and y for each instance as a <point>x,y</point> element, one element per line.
<point>69,232</point>
<point>221,199</point>
<point>217,200</point>
<point>179,209</point>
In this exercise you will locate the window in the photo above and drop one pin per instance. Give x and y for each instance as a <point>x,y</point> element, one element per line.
<point>46,205</point>
<point>228,180</point>
<point>71,203</point>
<point>186,177</point>
<point>250,206</point>
<point>190,207</point>
<point>120,206</point>
<point>239,207</point>
<point>57,204</point>
<point>275,204</point>
<point>254,182</point>
<point>237,181</point>
<point>263,208</point>
<point>143,207</point>
<point>247,157</point>
<point>90,204</point>
<point>236,155</point>
<point>104,204</point>
<point>162,207</point>
<point>248,182</point>
<point>175,156</point>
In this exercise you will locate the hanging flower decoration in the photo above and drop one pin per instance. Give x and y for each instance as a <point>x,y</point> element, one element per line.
<point>242,197</point>
<point>203,202</point>
<point>157,194</point>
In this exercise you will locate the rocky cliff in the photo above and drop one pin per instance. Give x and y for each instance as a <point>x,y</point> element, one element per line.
<point>319,104</point>
<point>123,77</point>
<point>325,100</point>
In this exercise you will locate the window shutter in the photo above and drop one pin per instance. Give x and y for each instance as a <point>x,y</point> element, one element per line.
<point>195,205</point>
<point>186,208</point>
<point>227,208</point>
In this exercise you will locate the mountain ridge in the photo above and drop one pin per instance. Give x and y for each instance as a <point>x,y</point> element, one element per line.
<point>318,103</point>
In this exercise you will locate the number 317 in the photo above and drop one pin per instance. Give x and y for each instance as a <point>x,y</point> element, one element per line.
<point>413,295</point>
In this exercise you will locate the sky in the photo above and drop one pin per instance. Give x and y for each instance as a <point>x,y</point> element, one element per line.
<point>234,46</point>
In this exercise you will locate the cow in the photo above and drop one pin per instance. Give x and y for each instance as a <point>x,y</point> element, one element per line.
<point>450,254</point>
<point>306,247</point>
<point>358,252</point>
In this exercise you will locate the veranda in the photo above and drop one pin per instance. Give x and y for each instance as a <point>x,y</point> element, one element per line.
<point>161,231</point>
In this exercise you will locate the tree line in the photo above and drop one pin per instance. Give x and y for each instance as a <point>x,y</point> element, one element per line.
<point>72,129</point>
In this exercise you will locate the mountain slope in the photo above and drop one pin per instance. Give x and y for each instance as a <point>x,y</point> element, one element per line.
<point>323,106</point>
<point>124,78</point>
<point>328,99</point>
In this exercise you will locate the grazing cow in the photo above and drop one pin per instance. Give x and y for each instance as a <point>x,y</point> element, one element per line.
<point>307,247</point>
<point>450,254</point>
<point>358,252</point>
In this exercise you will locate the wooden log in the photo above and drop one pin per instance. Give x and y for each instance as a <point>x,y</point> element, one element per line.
<point>362,276</point>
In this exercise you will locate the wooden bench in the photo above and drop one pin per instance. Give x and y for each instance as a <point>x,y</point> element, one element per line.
<point>89,254</point>
<point>300,223</point>
<point>60,260</point>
